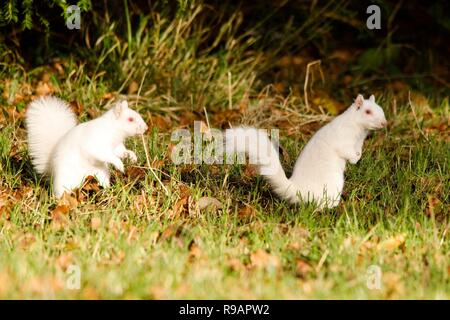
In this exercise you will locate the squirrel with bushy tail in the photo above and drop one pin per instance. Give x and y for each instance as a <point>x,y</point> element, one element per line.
<point>69,152</point>
<point>318,174</point>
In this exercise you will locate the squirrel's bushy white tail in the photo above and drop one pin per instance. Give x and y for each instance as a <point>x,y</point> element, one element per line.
<point>47,119</point>
<point>262,153</point>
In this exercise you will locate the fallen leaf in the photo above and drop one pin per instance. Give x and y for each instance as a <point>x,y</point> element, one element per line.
<point>249,171</point>
<point>44,88</point>
<point>26,240</point>
<point>133,87</point>
<point>235,265</point>
<point>247,212</point>
<point>302,268</point>
<point>262,259</point>
<point>392,284</point>
<point>90,184</point>
<point>135,173</point>
<point>76,107</point>
<point>141,202</point>
<point>392,243</point>
<point>64,261</point>
<point>194,251</point>
<point>163,123</point>
<point>68,200</point>
<point>59,216</point>
<point>208,202</point>
<point>96,222</point>
<point>89,293</point>
<point>432,203</point>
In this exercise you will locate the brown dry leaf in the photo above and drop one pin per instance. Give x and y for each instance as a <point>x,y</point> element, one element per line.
<point>90,184</point>
<point>288,60</point>
<point>5,202</point>
<point>59,67</point>
<point>279,87</point>
<point>262,259</point>
<point>93,112</point>
<point>169,232</point>
<point>108,95</point>
<point>392,243</point>
<point>43,285</point>
<point>116,258</point>
<point>294,245</point>
<point>398,86</point>
<point>208,202</point>
<point>141,202</point>
<point>298,232</point>
<point>343,55</point>
<point>68,200</point>
<point>181,207</point>
<point>25,240</point>
<point>188,118</point>
<point>347,79</point>
<point>229,116</point>
<point>113,227</point>
<point>235,265</point>
<point>76,107</point>
<point>247,212</point>
<point>71,245</point>
<point>302,268</point>
<point>23,193</point>
<point>44,88</point>
<point>169,151</point>
<point>392,284</point>
<point>250,171</point>
<point>194,251</point>
<point>89,293</point>
<point>420,102</point>
<point>161,122</point>
<point>432,203</point>
<point>64,261</point>
<point>59,216</point>
<point>133,87</point>
<point>158,164</point>
<point>5,283</point>
<point>96,222</point>
<point>158,292</point>
<point>135,173</point>
<point>185,191</point>
<point>132,234</point>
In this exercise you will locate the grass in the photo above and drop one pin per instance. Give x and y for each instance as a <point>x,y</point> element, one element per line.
<point>134,241</point>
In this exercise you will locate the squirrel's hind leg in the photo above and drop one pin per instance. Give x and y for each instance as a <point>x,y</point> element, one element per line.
<point>65,182</point>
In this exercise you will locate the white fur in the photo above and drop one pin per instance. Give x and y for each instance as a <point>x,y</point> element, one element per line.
<point>70,152</point>
<point>319,171</point>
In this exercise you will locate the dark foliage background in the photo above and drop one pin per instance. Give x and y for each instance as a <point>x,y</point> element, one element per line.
<point>412,44</point>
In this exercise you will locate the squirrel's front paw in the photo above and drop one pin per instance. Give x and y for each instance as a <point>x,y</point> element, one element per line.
<point>130,155</point>
<point>356,158</point>
<point>119,165</point>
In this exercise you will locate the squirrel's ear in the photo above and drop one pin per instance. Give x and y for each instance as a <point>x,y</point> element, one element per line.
<point>359,101</point>
<point>372,98</point>
<point>119,108</point>
<point>125,104</point>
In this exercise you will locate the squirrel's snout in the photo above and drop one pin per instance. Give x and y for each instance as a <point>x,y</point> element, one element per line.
<point>144,128</point>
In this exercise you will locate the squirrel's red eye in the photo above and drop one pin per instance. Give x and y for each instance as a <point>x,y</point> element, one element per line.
<point>130,119</point>
<point>368,111</point>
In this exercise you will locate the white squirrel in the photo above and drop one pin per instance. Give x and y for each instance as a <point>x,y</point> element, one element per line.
<point>69,152</point>
<point>319,170</point>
